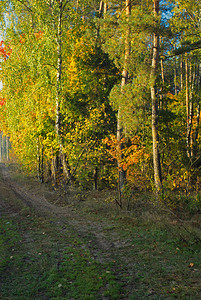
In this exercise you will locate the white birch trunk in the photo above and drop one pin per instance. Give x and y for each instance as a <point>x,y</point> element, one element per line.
<point>155,136</point>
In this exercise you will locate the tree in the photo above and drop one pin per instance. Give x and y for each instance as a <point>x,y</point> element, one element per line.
<point>124,81</point>
<point>155,137</point>
<point>56,79</point>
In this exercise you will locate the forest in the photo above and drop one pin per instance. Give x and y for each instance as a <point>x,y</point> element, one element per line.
<point>105,94</point>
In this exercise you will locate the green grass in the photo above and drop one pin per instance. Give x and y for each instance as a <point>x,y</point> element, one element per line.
<point>8,240</point>
<point>79,277</point>
<point>165,265</point>
<point>49,264</point>
<point>39,260</point>
<point>163,256</point>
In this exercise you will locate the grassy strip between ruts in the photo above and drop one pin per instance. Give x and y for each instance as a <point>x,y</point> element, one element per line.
<point>40,265</point>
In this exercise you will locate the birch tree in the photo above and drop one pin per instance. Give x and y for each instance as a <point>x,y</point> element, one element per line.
<point>155,136</point>
<point>124,81</point>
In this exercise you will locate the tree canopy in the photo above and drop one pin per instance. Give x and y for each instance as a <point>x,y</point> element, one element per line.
<point>75,73</point>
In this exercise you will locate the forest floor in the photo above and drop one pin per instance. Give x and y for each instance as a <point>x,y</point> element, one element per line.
<point>79,245</point>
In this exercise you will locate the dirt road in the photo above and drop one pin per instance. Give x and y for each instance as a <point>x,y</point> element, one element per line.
<point>98,235</point>
<point>14,196</point>
<point>71,246</point>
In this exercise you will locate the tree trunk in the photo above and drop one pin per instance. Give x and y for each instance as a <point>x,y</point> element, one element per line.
<point>42,164</point>
<point>155,136</point>
<point>162,73</point>
<point>181,73</point>
<point>4,147</point>
<point>187,91</point>
<point>122,173</point>
<point>105,7</point>
<point>189,131</point>
<point>7,147</point>
<point>175,77</point>
<point>163,84</point>
<point>101,14</point>
<point>196,130</point>
<point>198,112</point>
<point>101,8</point>
<point>40,160</point>
<point>63,160</point>
<point>53,168</point>
<point>58,77</point>
<point>190,79</point>
<point>1,139</point>
<point>95,178</point>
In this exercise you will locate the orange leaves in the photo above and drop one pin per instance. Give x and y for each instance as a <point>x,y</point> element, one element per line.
<point>131,158</point>
<point>131,153</point>
<point>112,143</point>
<point>39,34</point>
<point>22,39</point>
<point>170,95</point>
<point>33,115</point>
<point>2,50</point>
<point>2,101</point>
<point>5,51</point>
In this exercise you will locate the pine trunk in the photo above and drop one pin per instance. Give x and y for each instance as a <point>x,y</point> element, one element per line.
<point>163,84</point>
<point>196,130</point>
<point>181,73</point>
<point>155,136</point>
<point>195,146</point>
<point>187,90</point>
<point>175,77</point>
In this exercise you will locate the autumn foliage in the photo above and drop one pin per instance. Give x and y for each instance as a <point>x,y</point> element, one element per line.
<point>2,101</point>
<point>62,94</point>
<point>129,158</point>
<point>5,51</point>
